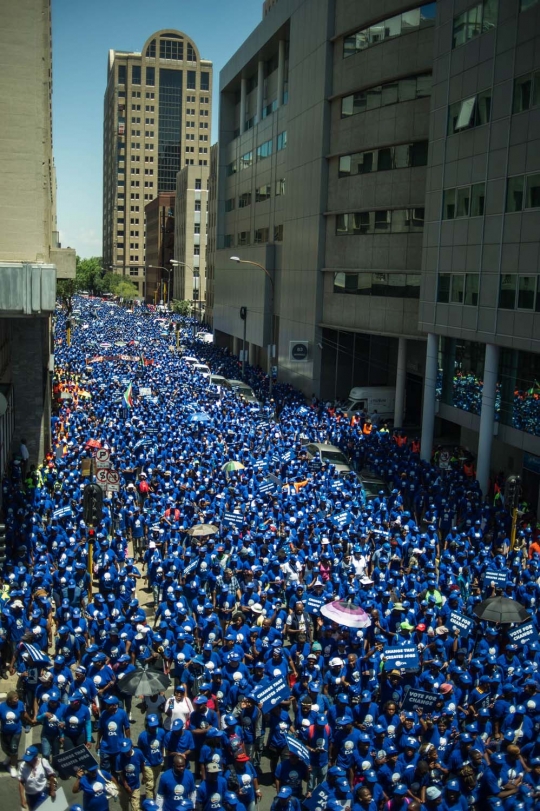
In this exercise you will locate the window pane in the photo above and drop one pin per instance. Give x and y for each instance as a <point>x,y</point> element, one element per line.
<point>471,289</point>
<point>427,14</point>
<point>460,27</point>
<point>150,77</point>
<point>401,156</point>
<point>536,89</point>
<point>382,220</point>
<point>483,109</point>
<point>359,102</point>
<point>514,193</point>
<point>384,159</point>
<point>412,289</point>
<point>373,97</point>
<point>396,285</point>
<point>449,204</point>
<point>379,284</point>
<point>364,284</point>
<point>345,282</point>
<point>458,286</point>
<point>419,153</point>
<point>349,46</point>
<point>392,26</point>
<point>443,288</point>
<point>407,89</point>
<point>418,217</point>
<point>465,116</point>
<point>389,93</point>
<point>507,292</point>
<point>522,93</point>
<point>463,201</point>
<point>135,74</point>
<point>526,288</point>
<point>376,33</point>
<point>423,86</point>
<point>346,106</point>
<point>489,16</point>
<point>478,192</point>
<point>532,199</point>
<point>344,165</point>
<point>363,222</point>
<point>400,221</point>
<point>342,224</point>
<point>410,20</point>
<point>365,162</point>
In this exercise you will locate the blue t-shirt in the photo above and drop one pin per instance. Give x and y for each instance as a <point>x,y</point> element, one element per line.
<point>10,718</point>
<point>131,764</point>
<point>112,728</point>
<point>93,789</point>
<point>174,787</point>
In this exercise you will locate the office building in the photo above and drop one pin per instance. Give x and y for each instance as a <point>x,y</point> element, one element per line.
<point>480,294</point>
<point>379,161</point>
<point>31,258</point>
<point>159,217</point>
<point>211,241</point>
<point>157,119</point>
<point>190,236</point>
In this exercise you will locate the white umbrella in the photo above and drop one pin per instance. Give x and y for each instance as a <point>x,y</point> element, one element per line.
<point>346,613</point>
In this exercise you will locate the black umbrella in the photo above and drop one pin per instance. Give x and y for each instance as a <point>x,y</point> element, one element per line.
<point>144,683</point>
<point>501,610</point>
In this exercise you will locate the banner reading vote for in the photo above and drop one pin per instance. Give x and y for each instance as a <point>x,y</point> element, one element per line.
<point>464,624</point>
<point>297,748</point>
<point>523,634</point>
<point>401,657</point>
<point>271,694</point>
<point>419,698</point>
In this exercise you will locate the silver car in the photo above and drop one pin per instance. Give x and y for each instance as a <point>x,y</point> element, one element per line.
<point>328,454</point>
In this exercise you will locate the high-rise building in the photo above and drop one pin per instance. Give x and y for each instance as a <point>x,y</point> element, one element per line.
<point>159,217</point>
<point>190,236</point>
<point>378,204</point>
<point>157,119</point>
<point>31,258</point>
<point>211,241</point>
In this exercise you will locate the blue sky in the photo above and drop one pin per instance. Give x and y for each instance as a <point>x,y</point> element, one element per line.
<point>83,33</point>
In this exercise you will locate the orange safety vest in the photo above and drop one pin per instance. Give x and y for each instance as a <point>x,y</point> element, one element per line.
<point>415,446</point>
<point>468,470</point>
<point>368,427</point>
<point>401,441</point>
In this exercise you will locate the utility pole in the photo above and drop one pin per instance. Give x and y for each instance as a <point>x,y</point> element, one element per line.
<point>512,495</point>
<point>243,316</point>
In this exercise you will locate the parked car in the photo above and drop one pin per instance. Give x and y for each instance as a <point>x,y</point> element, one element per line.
<point>219,380</point>
<point>328,454</point>
<point>202,369</point>
<point>373,485</point>
<point>244,391</point>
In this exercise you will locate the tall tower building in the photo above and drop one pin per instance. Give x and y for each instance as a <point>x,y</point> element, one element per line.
<point>157,119</point>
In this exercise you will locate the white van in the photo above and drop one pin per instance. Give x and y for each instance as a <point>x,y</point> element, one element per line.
<point>381,399</point>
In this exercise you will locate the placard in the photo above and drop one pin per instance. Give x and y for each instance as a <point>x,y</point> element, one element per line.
<point>62,512</point>
<point>419,698</point>
<point>402,657</point>
<point>59,803</point>
<point>463,624</point>
<point>271,694</point>
<point>523,634</point>
<point>233,519</point>
<point>492,575</point>
<point>318,800</point>
<point>313,604</point>
<point>297,748</point>
<point>70,762</point>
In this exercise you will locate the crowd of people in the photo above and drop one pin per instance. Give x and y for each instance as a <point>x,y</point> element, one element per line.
<point>236,538</point>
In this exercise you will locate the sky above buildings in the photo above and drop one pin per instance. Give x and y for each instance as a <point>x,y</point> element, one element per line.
<point>83,33</point>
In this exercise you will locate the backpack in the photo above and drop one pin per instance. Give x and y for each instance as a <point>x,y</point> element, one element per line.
<point>144,487</point>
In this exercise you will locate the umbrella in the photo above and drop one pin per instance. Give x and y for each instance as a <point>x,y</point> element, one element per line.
<point>93,443</point>
<point>200,416</point>
<point>501,610</point>
<point>346,613</point>
<point>144,682</point>
<point>229,467</point>
<point>201,530</point>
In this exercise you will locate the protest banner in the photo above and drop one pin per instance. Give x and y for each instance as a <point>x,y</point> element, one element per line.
<point>192,566</point>
<point>523,634</point>
<point>297,748</point>
<point>234,519</point>
<point>69,763</point>
<point>401,657</point>
<point>313,604</point>
<point>269,695</point>
<point>267,486</point>
<point>59,803</point>
<point>464,624</point>
<point>62,512</point>
<point>419,698</point>
<point>494,576</point>
<point>318,800</point>
<point>342,518</point>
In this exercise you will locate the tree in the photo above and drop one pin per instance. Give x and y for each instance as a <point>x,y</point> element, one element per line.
<point>66,289</point>
<point>126,290</point>
<point>90,275</point>
<point>181,307</point>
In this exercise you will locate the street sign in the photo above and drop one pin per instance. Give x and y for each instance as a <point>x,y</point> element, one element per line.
<point>298,351</point>
<point>101,477</point>
<point>113,481</point>
<point>103,458</point>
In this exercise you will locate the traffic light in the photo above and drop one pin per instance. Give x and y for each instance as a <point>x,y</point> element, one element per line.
<point>3,553</point>
<point>512,492</point>
<point>92,504</point>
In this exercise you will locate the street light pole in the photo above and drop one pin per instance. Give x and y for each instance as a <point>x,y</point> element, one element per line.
<point>271,347</point>
<point>168,271</point>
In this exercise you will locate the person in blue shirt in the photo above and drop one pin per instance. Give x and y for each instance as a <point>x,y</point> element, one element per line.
<point>175,784</point>
<point>113,728</point>
<point>77,722</point>
<point>12,716</point>
<point>284,801</point>
<point>151,742</point>
<point>92,784</point>
<point>243,774</point>
<point>50,715</point>
<point>130,769</point>
<point>293,772</point>
<point>178,741</point>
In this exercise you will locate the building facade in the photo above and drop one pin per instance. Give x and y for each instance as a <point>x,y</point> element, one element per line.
<point>157,119</point>
<point>211,241</point>
<point>31,258</point>
<point>191,224</point>
<point>480,294</point>
<point>159,218</point>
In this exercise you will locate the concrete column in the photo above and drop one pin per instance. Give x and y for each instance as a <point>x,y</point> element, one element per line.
<point>280,71</point>
<point>252,354</point>
<point>430,390</point>
<point>30,347</point>
<point>243,88</point>
<point>260,89</point>
<point>401,374</point>
<point>487,416</point>
<point>235,345</point>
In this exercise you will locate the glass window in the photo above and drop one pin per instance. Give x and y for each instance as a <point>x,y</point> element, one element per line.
<point>514,193</point>
<point>536,89</point>
<point>466,114</point>
<point>478,194</point>
<point>121,74</point>
<point>278,233</point>
<point>463,198</point>
<point>151,50</point>
<point>383,220</point>
<point>281,140</point>
<point>379,284</point>
<point>205,80</point>
<point>419,153</point>
<point>412,289</point>
<point>347,106</point>
<point>363,222</point>
<point>171,49</point>
<point>365,162</point>
<point>345,282</point>
<point>396,285</point>
<point>401,156</point>
<point>457,288</point>
<point>388,94</point>
<point>230,204</point>
<point>191,80</point>
<point>423,85</point>
<point>384,159</point>
<point>344,166</point>
<point>443,288</point>
<point>407,89</point>
<point>417,219</point>
<point>532,197</point>
<point>449,204</point>
<point>150,77</point>
<point>261,235</point>
<point>135,74</point>
<point>342,224</point>
<point>280,187</point>
<point>471,289</point>
<point>400,221</point>
<point>262,193</point>
<point>489,15</point>
<point>483,109</point>
<point>522,93</point>
<point>526,291</point>
<point>507,292</point>
<point>410,20</point>
<point>244,200</point>
<point>244,238</point>
<point>364,284</point>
